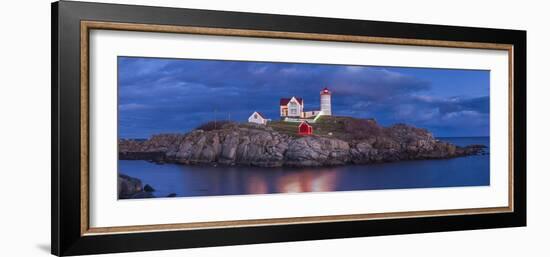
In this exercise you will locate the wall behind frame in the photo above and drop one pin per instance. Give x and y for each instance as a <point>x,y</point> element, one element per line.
<point>25,127</point>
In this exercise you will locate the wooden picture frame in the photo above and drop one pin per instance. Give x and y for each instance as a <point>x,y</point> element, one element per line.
<point>71,25</point>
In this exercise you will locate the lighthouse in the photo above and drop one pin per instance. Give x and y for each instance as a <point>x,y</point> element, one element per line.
<point>325,102</point>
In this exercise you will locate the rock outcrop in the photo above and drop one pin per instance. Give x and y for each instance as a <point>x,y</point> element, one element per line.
<point>130,188</point>
<point>258,145</point>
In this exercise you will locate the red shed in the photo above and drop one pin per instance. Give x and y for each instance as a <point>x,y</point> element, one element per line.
<point>305,129</point>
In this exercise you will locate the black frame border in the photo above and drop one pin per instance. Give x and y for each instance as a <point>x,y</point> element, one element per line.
<point>66,236</point>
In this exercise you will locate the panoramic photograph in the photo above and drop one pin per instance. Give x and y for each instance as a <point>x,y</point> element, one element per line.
<point>194,127</point>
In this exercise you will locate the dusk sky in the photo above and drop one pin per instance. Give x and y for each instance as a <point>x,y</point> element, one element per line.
<point>177,95</point>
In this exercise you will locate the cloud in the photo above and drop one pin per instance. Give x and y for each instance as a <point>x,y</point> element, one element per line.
<point>132,107</point>
<point>454,104</point>
<point>157,95</point>
<point>375,83</point>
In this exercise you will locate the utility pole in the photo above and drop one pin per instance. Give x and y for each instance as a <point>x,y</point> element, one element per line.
<point>215,118</point>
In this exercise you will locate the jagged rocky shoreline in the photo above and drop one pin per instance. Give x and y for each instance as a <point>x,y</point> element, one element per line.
<point>258,145</point>
<point>132,188</point>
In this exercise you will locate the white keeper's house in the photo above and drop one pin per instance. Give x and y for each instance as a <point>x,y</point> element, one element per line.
<point>258,118</point>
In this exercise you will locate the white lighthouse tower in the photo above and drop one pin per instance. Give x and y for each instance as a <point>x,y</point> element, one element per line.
<point>325,102</point>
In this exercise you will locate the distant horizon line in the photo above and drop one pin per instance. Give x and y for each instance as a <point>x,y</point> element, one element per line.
<point>145,138</point>
<point>458,136</point>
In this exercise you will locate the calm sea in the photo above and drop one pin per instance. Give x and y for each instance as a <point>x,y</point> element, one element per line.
<point>186,180</point>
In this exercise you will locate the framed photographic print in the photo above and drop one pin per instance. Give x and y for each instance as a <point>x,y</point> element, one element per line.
<point>177,128</point>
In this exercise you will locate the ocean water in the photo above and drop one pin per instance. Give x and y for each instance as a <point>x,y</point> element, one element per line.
<point>186,180</point>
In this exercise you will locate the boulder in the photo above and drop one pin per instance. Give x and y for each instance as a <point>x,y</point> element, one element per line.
<point>128,186</point>
<point>148,188</point>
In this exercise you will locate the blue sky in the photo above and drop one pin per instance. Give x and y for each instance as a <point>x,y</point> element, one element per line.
<point>176,95</point>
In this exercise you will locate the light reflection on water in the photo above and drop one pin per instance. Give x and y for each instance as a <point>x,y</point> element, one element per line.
<point>304,181</point>
<point>308,181</point>
<point>187,180</point>
<point>206,180</point>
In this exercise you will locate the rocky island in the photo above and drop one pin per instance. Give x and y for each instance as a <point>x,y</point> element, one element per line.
<point>286,131</point>
<point>336,141</point>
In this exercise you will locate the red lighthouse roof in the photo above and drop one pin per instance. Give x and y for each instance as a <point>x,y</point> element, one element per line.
<point>325,91</point>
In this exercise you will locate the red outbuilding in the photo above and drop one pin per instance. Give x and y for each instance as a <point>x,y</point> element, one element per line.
<point>305,129</point>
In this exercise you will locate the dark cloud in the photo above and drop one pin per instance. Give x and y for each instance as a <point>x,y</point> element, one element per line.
<point>169,95</point>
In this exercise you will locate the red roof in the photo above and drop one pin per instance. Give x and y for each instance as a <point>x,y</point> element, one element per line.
<point>284,101</point>
<point>325,91</point>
